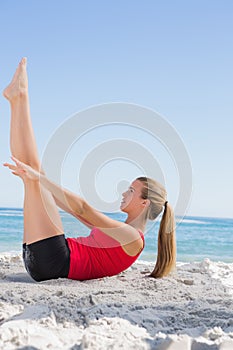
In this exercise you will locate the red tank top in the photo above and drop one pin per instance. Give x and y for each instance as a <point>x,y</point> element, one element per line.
<point>97,255</point>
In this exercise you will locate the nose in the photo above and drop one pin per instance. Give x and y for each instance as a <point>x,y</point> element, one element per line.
<point>124,194</point>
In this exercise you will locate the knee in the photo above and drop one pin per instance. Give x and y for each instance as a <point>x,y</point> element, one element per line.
<point>35,164</point>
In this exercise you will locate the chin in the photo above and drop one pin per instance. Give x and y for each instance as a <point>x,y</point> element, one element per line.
<point>123,209</point>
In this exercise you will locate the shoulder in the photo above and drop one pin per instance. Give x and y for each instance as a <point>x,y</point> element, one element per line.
<point>134,248</point>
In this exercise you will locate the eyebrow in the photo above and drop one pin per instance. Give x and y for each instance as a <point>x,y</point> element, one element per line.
<point>132,188</point>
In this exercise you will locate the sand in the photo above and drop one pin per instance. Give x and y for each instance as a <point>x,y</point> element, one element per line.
<point>190,310</point>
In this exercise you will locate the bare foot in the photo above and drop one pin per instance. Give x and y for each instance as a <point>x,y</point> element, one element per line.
<point>19,84</point>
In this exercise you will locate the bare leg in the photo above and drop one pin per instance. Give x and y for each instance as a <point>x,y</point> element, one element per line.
<point>22,140</point>
<point>41,216</point>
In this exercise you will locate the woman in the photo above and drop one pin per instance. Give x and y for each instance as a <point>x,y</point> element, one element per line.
<point>112,246</point>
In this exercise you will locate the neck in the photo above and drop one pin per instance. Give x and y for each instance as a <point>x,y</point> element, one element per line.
<point>138,222</point>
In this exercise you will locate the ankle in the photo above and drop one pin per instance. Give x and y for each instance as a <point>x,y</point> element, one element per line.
<point>21,96</point>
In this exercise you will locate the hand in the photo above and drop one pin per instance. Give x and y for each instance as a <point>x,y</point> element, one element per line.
<point>23,170</point>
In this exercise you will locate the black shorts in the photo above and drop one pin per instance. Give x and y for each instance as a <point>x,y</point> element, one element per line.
<point>47,259</point>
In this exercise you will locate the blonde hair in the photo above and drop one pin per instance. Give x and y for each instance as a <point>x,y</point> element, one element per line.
<point>166,256</point>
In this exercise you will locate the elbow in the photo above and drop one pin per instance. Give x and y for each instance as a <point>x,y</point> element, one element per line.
<point>81,207</point>
<point>75,204</point>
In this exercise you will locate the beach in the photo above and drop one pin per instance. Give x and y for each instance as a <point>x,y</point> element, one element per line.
<point>190,310</point>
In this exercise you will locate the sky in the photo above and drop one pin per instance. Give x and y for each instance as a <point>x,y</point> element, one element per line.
<point>171,57</point>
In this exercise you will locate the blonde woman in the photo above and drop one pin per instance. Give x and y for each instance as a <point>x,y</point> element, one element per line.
<point>112,246</point>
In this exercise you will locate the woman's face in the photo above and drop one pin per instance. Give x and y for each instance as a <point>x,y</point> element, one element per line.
<point>132,198</point>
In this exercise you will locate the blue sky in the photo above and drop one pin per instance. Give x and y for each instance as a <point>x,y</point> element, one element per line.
<point>174,57</point>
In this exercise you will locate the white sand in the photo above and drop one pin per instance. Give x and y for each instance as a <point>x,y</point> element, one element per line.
<point>193,310</point>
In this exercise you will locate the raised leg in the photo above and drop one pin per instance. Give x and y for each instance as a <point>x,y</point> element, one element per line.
<point>22,139</point>
<point>41,216</point>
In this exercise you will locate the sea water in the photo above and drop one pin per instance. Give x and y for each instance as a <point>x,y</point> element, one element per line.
<point>197,237</point>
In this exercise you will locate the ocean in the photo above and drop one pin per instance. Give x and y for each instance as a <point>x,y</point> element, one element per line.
<point>197,237</point>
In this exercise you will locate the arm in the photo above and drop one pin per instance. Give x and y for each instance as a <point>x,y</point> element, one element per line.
<point>77,206</point>
<point>67,209</point>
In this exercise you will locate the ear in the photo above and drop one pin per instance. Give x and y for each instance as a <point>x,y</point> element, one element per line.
<point>146,203</point>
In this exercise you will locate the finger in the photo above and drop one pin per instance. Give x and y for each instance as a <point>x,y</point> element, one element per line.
<point>11,166</point>
<point>18,162</point>
<point>15,160</point>
<point>14,173</point>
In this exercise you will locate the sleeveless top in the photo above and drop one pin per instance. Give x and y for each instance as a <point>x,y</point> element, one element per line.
<point>97,255</point>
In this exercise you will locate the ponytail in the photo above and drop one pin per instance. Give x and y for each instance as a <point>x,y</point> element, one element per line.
<point>166,257</point>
